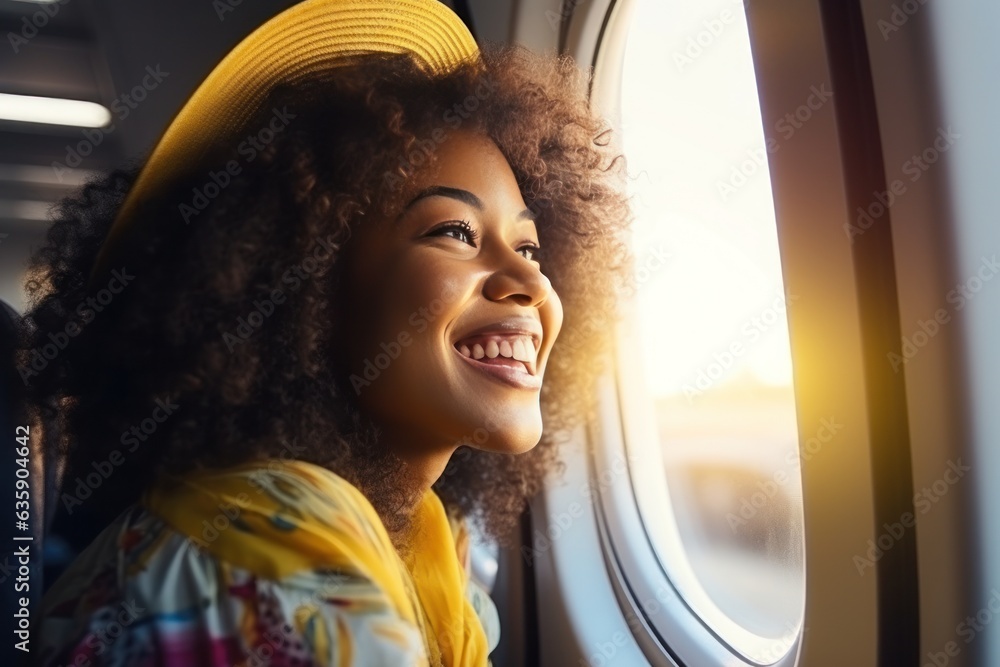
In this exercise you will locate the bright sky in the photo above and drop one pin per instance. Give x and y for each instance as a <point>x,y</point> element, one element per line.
<point>691,117</point>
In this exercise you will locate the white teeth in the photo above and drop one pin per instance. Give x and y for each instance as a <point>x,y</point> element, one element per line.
<point>521,348</point>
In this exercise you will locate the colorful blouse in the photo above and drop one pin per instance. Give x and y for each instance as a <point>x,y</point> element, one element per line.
<point>278,563</point>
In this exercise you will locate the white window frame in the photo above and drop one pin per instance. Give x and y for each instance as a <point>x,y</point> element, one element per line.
<point>579,611</point>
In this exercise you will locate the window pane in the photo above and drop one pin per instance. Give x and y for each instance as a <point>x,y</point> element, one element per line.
<point>713,333</point>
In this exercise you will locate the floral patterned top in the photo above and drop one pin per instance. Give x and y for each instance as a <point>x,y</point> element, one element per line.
<point>278,563</point>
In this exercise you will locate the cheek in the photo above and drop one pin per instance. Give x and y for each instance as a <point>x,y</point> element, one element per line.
<point>427,302</point>
<point>553,311</point>
<point>404,317</point>
<point>552,320</point>
<point>432,289</point>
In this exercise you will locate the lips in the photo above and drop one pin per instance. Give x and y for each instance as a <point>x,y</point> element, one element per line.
<point>506,349</point>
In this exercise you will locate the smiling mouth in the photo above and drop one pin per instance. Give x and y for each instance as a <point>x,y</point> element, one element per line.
<point>513,350</point>
<point>510,358</point>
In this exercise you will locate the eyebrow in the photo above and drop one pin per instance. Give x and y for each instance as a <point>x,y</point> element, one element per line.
<point>463,196</point>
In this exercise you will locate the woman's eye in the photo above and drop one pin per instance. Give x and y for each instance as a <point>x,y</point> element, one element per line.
<point>529,252</point>
<point>460,231</point>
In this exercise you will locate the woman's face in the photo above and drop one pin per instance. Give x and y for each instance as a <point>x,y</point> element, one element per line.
<point>450,319</point>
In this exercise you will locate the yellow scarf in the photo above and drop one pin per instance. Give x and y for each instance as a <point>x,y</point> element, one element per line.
<point>276,518</point>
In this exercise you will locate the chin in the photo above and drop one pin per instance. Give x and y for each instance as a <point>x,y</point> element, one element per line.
<point>515,439</point>
<point>500,427</point>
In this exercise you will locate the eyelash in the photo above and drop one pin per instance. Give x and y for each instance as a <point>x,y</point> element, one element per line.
<point>464,226</point>
<point>473,235</point>
<point>534,251</point>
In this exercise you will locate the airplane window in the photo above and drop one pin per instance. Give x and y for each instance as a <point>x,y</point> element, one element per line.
<point>711,326</point>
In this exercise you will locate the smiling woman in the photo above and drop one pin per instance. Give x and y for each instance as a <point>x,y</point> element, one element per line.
<point>467,234</point>
<point>398,275</point>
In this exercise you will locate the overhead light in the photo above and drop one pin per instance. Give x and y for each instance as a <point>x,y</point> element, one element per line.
<point>24,209</point>
<point>38,175</point>
<point>53,111</point>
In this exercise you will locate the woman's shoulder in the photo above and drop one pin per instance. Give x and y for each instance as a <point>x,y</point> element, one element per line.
<point>96,575</point>
<point>142,590</point>
<point>284,558</point>
<point>278,518</point>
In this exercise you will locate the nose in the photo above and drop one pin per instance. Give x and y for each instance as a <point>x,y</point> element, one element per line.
<point>518,279</point>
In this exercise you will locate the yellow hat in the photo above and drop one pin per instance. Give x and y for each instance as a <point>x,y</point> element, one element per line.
<point>310,36</point>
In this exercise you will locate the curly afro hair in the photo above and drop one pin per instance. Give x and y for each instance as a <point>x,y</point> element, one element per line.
<point>103,347</point>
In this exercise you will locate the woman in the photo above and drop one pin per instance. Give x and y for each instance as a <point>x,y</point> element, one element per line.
<point>323,337</point>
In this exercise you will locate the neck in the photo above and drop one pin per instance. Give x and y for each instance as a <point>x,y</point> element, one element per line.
<point>423,456</point>
<point>423,466</point>
<point>396,479</point>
